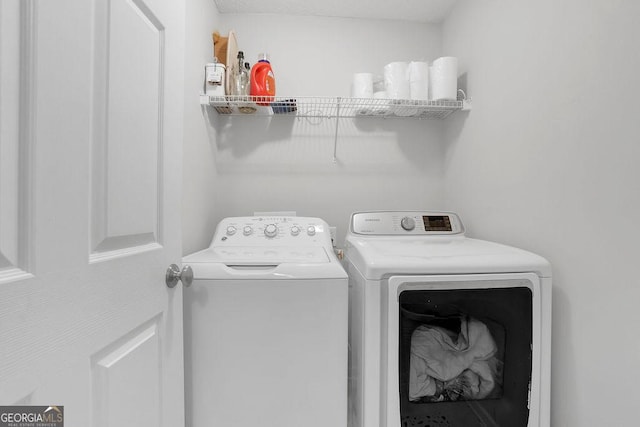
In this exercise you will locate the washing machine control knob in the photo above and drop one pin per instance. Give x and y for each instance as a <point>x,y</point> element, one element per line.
<point>247,230</point>
<point>295,230</point>
<point>271,230</point>
<point>408,223</point>
<point>231,230</point>
<point>311,230</point>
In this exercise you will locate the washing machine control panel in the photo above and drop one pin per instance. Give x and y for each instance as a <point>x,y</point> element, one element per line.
<point>272,230</point>
<point>396,223</point>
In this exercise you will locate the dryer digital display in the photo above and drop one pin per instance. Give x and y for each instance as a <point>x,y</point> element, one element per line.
<point>436,223</point>
<point>406,223</point>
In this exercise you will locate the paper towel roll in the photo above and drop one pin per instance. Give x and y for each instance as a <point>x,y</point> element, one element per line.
<point>444,79</point>
<point>419,80</point>
<point>362,85</point>
<point>396,80</point>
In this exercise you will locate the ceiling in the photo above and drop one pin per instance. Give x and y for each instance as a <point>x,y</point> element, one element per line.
<point>431,11</point>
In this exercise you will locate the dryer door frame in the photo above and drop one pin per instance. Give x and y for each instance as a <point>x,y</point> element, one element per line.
<point>398,284</point>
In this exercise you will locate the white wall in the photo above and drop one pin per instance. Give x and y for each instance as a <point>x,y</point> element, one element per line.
<point>199,169</point>
<point>548,161</point>
<point>287,163</point>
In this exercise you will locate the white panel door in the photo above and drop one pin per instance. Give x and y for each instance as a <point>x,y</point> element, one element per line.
<point>90,192</point>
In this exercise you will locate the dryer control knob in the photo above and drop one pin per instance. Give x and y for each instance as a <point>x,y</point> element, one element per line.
<point>408,223</point>
<point>295,230</point>
<point>247,230</point>
<point>231,230</point>
<point>271,230</point>
<point>311,230</point>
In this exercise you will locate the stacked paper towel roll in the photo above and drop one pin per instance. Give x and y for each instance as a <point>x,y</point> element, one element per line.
<point>444,78</point>
<point>396,80</point>
<point>410,80</point>
<point>419,80</point>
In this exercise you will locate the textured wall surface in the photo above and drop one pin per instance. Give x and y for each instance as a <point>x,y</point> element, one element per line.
<point>547,160</point>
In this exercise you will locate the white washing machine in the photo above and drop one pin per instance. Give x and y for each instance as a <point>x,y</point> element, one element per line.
<point>266,327</point>
<point>445,330</point>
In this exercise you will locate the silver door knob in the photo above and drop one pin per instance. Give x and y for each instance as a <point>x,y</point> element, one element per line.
<point>174,275</point>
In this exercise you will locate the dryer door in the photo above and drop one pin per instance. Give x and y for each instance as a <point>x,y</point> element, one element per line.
<point>463,350</point>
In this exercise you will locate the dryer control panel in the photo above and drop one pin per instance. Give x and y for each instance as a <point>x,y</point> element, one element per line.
<point>272,231</point>
<point>398,223</point>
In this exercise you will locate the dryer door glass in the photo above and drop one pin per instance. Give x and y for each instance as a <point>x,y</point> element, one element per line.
<point>465,356</point>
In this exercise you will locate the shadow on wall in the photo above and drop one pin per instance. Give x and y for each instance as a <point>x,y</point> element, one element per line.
<point>244,135</point>
<point>456,123</point>
<point>307,145</point>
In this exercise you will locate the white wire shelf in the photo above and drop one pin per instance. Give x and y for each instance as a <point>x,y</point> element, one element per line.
<point>332,107</point>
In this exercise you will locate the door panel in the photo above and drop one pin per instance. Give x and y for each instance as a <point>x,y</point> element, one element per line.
<point>101,170</point>
<point>9,131</point>
<point>15,26</point>
<point>125,377</point>
<point>129,127</point>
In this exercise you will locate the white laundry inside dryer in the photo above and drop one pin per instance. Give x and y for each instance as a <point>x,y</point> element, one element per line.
<point>448,366</point>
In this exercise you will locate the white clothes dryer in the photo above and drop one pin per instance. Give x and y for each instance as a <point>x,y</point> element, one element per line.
<point>445,330</point>
<point>266,326</point>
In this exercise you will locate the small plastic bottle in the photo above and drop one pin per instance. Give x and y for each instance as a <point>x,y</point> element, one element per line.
<point>245,71</point>
<point>236,87</point>
<point>263,82</point>
<point>242,82</point>
<point>247,74</point>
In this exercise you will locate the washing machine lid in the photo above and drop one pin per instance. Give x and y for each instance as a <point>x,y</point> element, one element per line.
<point>379,257</point>
<point>260,255</point>
<point>260,263</point>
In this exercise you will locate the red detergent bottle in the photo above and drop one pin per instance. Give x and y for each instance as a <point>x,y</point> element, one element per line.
<point>263,83</point>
